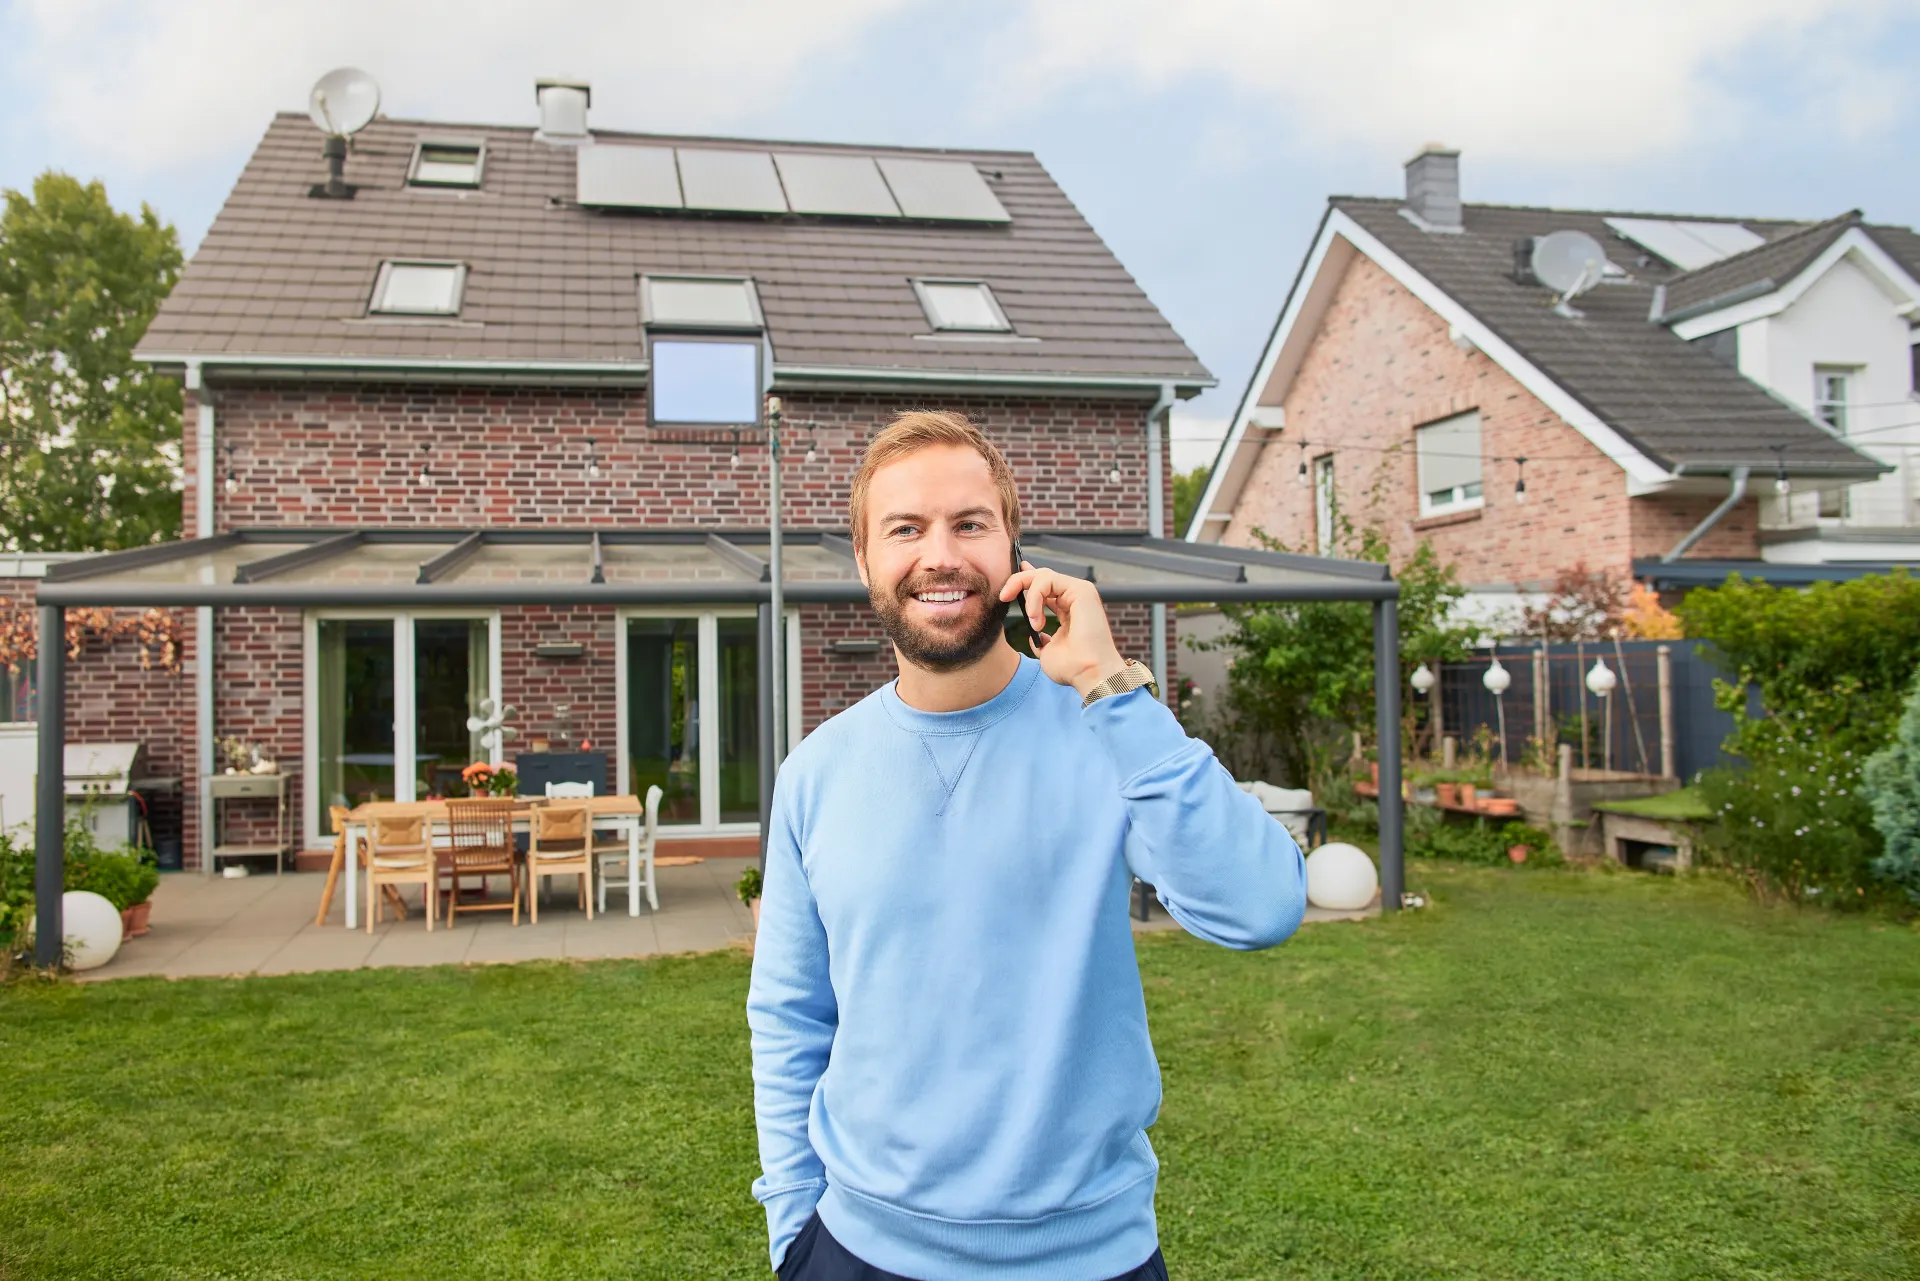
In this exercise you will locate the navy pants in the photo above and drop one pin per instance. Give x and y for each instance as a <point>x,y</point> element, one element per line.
<point>816,1256</point>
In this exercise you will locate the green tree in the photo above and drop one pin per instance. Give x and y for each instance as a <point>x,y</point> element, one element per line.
<point>1891,779</point>
<point>89,439</point>
<point>1302,672</point>
<point>1188,487</point>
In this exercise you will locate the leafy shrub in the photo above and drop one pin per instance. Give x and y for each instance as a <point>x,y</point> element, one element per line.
<point>1891,780</point>
<point>1795,820</point>
<point>1430,835</point>
<point>121,879</point>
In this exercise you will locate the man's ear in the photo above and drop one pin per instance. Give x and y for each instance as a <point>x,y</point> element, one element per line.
<point>860,565</point>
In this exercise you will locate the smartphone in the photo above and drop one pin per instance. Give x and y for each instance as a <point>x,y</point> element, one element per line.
<point>1039,638</point>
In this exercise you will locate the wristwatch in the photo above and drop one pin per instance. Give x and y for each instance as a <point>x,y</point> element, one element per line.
<point>1132,676</point>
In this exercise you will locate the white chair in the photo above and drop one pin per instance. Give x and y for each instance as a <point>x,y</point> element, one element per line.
<point>569,791</point>
<point>611,854</point>
<point>1292,807</point>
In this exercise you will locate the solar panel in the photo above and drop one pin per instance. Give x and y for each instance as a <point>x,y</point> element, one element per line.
<point>819,184</point>
<point>946,189</point>
<point>627,177</point>
<point>1686,245</point>
<point>743,181</point>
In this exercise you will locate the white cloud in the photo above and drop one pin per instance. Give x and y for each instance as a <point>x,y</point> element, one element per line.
<point>1528,80</point>
<point>1193,440</point>
<point>144,87</point>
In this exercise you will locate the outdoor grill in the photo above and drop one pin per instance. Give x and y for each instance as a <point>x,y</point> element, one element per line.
<point>99,790</point>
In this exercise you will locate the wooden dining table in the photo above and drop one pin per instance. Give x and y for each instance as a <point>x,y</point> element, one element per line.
<point>625,815</point>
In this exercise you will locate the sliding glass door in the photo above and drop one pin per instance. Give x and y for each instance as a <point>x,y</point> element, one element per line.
<point>690,714</point>
<point>387,707</point>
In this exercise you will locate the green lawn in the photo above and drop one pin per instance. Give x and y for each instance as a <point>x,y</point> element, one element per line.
<point>1681,804</point>
<point>1545,1074</point>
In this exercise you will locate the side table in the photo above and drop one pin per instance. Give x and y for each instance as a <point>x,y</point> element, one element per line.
<point>247,787</point>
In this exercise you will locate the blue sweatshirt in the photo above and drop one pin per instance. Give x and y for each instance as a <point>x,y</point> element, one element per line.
<point>950,1053</point>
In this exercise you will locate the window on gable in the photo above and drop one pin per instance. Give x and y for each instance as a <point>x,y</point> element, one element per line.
<point>1323,505</point>
<point>419,289</point>
<point>1449,463</point>
<point>700,302</point>
<point>1831,385</point>
<point>446,164</point>
<point>961,305</point>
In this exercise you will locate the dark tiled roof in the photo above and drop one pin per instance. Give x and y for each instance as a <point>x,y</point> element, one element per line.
<point>1673,400</point>
<point>1761,269</point>
<point>281,274</point>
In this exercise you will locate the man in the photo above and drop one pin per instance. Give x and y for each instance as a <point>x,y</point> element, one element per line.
<point>952,1075</point>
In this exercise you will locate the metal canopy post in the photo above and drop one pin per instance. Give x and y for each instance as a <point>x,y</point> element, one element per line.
<point>765,653</point>
<point>777,632</point>
<point>50,789</point>
<point>1386,696</point>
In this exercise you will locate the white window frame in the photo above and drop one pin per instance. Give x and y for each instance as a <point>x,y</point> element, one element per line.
<point>1461,500</point>
<point>404,729</point>
<point>375,305</point>
<point>421,146</point>
<point>1004,326</point>
<point>1323,504</point>
<point>650,317</point>
<point>707,636</point>
<point>1822,402</point>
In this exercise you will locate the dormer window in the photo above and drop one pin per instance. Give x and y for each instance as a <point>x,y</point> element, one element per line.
<point>419,289</point>
<point>705,337</point>
<point>446,164</point>
<point>962,305</point>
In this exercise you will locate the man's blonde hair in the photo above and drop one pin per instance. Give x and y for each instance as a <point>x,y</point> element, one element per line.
<point>913,431</point>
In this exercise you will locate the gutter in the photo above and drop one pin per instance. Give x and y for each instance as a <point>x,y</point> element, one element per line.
<point>1753,289</point>
<point>1735,493</point>
<point>790,375</point>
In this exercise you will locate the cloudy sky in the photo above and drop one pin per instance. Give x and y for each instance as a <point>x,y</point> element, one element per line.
<point>1201,137</point>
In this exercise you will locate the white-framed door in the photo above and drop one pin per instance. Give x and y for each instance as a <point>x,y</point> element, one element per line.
<point>334,640</point>
<point>695,658</point>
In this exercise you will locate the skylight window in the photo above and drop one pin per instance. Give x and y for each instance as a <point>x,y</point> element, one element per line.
<point>419,289</point>
<point>700,302</point>
<point>961,305</point>
<point>446,164</point>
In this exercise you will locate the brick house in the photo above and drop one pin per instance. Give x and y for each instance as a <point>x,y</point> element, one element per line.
<point>517,352</point>
<point>1720,393</point>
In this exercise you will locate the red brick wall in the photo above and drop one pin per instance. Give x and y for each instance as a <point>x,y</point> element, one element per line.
<point>1383,364</point>
<point>347,455</point>
<point>111,698</point>
<point>257,689</point>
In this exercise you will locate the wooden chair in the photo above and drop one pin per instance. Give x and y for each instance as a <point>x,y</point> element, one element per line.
<point>610,855</point>
<point>569,791</point>
<point>481,844</point>
<point>337,817</point>
<point>561,841</point>
<point>398,853</point>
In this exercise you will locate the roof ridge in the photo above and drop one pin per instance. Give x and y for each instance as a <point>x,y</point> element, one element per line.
<point>531,130</point>
<point>1589,213</point>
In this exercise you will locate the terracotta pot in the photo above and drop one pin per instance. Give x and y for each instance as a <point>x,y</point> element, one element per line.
<point>1449,793</point>
<point>126,924</point>
<point>1373,772</point>
<point>141,911</point>
<point>1502,805</point>
<point>1466,795</point>
<point>1517,853</point>
<point>754,905</point>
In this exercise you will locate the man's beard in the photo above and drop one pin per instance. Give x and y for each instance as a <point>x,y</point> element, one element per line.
<point>943,650</point>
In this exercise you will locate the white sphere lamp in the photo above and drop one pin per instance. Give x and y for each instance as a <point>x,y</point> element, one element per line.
<point>1341,878</point>
<point>1422,679</point>
<point>1497,679</point>
<point>1601,679</point>
<point>92,928</point>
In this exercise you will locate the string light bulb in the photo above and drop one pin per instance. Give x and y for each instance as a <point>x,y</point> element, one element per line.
<point>1303,462</point>
<point>593,461</point>
<point>426,473</point>
<point>1781,485</point>
<point>1113,476</point>
<point>233,480</point>
<point>1520,482</point>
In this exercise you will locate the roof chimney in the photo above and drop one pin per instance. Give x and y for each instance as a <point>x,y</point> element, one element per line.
<point>1433,188</point>
<point>563,111</point>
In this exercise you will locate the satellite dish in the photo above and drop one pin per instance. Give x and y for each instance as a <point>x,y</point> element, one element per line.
<point>343,102</point>
<point>1570,262</point>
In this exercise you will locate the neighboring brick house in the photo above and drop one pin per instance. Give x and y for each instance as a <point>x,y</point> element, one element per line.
<point>520,331</point>
<point>1421,378</point>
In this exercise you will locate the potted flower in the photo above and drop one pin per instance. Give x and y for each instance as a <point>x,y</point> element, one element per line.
<point>483,779</point>
<point>748,888</point>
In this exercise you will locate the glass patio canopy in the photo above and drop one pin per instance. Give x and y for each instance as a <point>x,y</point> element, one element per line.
<point>416,568</point>
<point>419,568</point>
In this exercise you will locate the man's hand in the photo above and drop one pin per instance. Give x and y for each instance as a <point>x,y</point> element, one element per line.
<point>1081,653</point>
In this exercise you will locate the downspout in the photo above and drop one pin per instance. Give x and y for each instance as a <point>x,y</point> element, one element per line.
<point>1734,495</point>
<point>203,527</point>
<point>1157,527</point>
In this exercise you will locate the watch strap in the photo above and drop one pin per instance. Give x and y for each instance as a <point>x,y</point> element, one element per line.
<point>1133,676</point>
